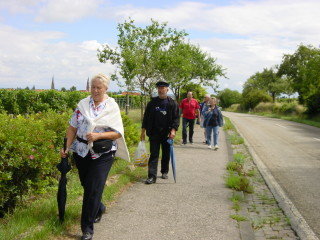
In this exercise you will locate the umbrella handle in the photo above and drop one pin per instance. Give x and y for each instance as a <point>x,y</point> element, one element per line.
<point>64,144</point>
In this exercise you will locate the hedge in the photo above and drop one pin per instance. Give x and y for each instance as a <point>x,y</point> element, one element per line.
<point>31,101</point>
<point>29,153</point>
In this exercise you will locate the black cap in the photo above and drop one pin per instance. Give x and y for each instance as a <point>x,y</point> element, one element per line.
<point>162,84</point>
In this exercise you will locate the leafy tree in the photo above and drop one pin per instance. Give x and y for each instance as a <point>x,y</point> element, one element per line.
<point>228,97</point>
<point>197,91</point>
<point>302,68</point>
<point>250,99</point>
<point>269,81</point>
<point>183,63</point>
<point>73,88</point>
<point>138,53</point>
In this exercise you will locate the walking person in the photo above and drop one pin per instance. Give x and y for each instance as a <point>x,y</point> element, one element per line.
<point>190,110</point>
<point>160,121</point>
<point>95,136</point>
<point>202,107</point>
<point>213,120</point>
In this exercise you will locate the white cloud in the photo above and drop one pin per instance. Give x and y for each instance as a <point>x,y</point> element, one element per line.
<point>34,59</point>
<point>245,36</point>
<point>66,10</point>
<point>18,6</point>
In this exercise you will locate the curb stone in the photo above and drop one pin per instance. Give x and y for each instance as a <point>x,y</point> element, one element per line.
<point>299,228</point>
<point>245,228</point>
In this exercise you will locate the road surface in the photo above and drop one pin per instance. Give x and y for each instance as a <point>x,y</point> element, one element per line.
<point>291,152</point>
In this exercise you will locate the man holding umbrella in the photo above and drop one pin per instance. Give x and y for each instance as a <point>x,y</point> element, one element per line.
<point>160,122</point>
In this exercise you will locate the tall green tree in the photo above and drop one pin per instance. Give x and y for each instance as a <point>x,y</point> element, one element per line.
<point>303,68</point>
<point>197,90</point>
<point>228,97</point>
<point>184,63</point>
<point>269,81</point>
<point>138,53</point>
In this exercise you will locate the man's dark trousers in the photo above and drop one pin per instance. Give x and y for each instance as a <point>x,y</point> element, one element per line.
<point>155,144</point>
<point>185,123</point>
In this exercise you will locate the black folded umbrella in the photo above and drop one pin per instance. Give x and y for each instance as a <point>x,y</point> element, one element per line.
<point>64,168</point>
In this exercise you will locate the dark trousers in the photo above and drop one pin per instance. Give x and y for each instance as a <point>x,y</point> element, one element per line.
<point>185,123</point>
<point>93,175</point>
<point>155,144</point>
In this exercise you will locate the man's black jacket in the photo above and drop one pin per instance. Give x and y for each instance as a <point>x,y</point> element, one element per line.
<point>149,115</point>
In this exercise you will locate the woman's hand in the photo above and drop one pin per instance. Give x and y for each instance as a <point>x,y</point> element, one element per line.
<point>63,153</point>
<point>91,137</point>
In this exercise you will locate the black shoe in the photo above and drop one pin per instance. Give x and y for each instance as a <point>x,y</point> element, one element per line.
<point>87,236</point>
<point>150,181</point>
<point>99,216</point>
<point>164,176</point>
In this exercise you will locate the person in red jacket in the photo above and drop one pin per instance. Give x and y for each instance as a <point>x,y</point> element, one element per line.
<point>190,110</point>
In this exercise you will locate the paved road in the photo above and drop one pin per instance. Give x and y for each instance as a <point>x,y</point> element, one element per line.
<point>198,206</point>
<point>291,152</point>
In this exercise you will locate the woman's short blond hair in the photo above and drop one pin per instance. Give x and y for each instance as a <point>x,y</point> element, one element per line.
<point>103,78</point>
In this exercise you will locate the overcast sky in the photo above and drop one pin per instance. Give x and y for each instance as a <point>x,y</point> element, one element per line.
<point>42,38</point>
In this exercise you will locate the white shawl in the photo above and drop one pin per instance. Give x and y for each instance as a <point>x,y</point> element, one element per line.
<point>109,117</point>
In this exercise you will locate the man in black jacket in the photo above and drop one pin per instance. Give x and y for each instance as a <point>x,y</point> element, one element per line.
<point>160,121</point>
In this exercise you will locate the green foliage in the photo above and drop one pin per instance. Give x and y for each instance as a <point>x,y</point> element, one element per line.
<point>228,125</point>
<point>234,166</point>
<point>139,52</point>
<point>302,68</point>
<point>197,91</point>
<point>131,132</point>
<point>29,101</point>
<point>252,97</point>
<point>239,183</point>
<point>285,108</point>
<point>29,153</point>
<point>239,218</point>
<point>228,97</point>
<point>236,139</point>
<point>235,108</point>
<point>158,52</point>
<point>313,104</point>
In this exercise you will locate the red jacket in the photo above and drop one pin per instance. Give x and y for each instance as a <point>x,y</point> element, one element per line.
<point>189,108</point>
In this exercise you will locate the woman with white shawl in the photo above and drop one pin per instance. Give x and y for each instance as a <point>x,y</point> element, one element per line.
<point>96,118</point>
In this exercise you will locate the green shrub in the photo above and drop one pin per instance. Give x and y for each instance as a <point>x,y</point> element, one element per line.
<point>236,139</point>
<point>29,153</point>
<point>28,158</point>
<point>234,108</point>
<point>252,98</point>
<point>264,107</point>
<point>131,132</point>
<point>239,183</point>
<point>234,166</point>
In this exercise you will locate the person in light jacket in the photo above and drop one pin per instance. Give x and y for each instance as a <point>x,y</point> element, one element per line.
<point>213,120</point>
<point>96,117</point>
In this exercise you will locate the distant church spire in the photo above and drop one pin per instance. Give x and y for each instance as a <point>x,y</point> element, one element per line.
<point>88,86</point>
<point>52,83</point>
